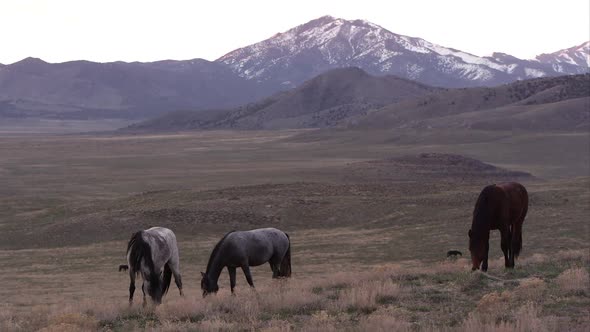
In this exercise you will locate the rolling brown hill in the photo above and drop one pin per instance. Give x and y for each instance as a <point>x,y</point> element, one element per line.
<point>352,98</point>
<point>557,103</point>
<point>323,101</point>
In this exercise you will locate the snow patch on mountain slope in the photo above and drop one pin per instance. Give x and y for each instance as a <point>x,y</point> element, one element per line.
<point>414,70</point>
<point>534,73</point>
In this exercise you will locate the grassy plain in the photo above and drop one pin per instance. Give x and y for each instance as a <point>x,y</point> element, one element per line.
<point>369,238</point>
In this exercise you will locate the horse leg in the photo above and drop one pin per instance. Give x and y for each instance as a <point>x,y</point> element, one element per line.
<point>274,268</point>
<point>484,264</point>
<point>178,282</point>
<point>232,278</point>
<point>510,249</point>
<point>505,244</point>
<point>131,286</point>
<point>174,266</point>
<point>516,242</point>
<point>246,270</point>
<point>143,291</point>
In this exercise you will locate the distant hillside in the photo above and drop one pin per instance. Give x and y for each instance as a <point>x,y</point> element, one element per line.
<point>83,89</point>
<point>320,102</point>
<point>539,104</point>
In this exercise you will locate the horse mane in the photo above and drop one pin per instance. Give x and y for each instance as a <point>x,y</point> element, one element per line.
<point>482,215</point>
<point>215,250</point>
<point>138,249</point>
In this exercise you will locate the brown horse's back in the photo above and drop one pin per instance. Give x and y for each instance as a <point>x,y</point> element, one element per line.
<point>491,209</point>
<point>518,202</point>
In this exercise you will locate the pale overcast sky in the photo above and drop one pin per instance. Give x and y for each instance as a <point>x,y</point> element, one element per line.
<point>134,30</point>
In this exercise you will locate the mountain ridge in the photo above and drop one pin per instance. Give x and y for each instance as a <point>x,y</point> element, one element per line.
<point>89,90</point>
<point>329,42</point>
<point>135,90</point>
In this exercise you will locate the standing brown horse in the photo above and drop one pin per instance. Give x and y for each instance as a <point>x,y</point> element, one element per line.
<point>502,207</point>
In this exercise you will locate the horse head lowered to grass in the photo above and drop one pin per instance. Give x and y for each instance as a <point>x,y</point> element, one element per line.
<point>502,207</point>
<point>244,249</point>
<point>153,254</point>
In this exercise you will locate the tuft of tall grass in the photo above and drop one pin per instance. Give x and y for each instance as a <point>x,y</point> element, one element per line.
<point>574,280</point>
<point>365,296</point>
<point>531,288</point>
<point>320,322</point>
<point>494,306</point>
<point>383,323</point>
<point>525,319</point>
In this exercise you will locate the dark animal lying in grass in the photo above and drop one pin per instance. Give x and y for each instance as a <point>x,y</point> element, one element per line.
<point>454,253</point>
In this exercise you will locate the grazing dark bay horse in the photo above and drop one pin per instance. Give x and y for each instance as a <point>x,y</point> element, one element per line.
<point>502,207</point>
<point>153,253</point>
<point>245,249</point>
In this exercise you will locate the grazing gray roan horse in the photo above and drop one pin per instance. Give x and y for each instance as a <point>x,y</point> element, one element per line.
<point>153,253</point>
<point>245,249</point>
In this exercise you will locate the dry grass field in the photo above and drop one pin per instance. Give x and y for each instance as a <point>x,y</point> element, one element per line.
<point>370,214</point>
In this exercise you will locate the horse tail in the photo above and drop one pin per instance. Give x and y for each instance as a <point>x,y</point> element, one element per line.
<point>517,229</point>
<point>285,269</point>
<point>167,278</point>
<point>139,250</point>
<point>136,249</point>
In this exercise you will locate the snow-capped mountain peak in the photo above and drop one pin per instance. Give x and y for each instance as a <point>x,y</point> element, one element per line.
<point>578,56</point>
<point>293,56</point>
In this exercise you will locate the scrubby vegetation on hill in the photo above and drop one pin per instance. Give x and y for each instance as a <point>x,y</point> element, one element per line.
<point>555,103</point>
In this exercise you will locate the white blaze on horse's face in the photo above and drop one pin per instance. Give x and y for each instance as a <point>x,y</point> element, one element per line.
<point>477,250</point>
<point>477,256</point>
